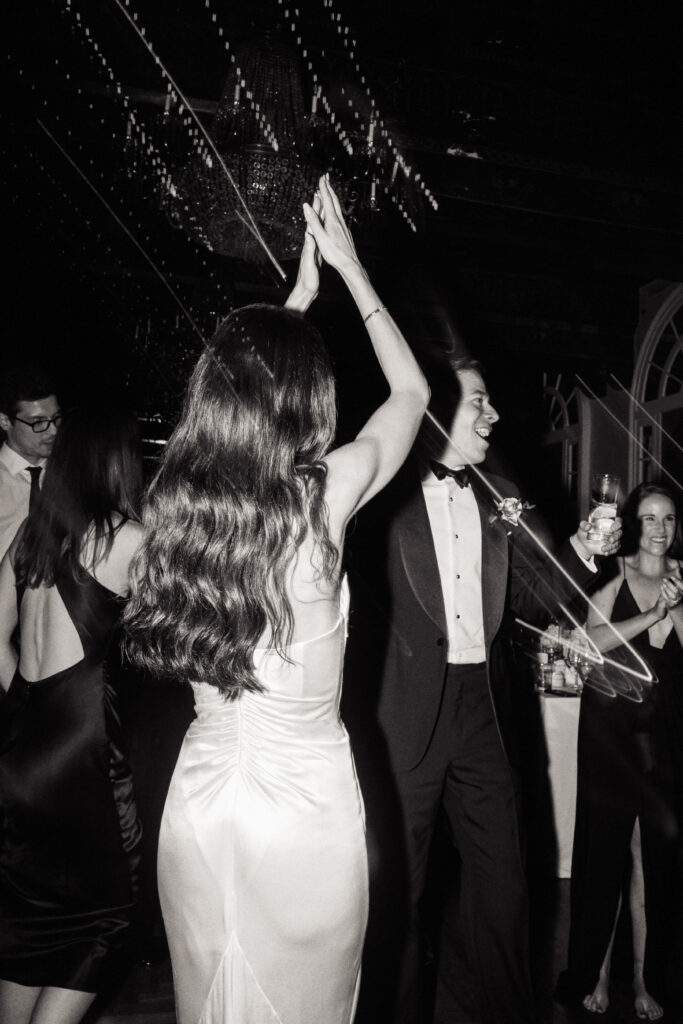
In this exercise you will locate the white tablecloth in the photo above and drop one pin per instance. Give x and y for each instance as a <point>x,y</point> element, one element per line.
<point>561,726</point>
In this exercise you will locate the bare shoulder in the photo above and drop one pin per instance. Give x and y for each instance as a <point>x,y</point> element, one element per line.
<point>128,538</point>
<point>113,570</point>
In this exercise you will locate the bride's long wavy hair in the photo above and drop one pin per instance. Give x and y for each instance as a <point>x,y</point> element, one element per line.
<point>240,486</point>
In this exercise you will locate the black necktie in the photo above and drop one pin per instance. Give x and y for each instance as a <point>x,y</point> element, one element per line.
<point>35,472</point>
<point>461,476</point>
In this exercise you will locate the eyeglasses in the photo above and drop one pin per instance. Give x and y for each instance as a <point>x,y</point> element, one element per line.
<point>40,426</point>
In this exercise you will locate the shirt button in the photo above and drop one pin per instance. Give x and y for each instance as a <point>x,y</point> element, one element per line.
<point>439,642</point>
<point>457,616</point>
<point>457,575</point>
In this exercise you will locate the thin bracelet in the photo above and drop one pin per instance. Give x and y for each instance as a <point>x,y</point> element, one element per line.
<point>380,309</point>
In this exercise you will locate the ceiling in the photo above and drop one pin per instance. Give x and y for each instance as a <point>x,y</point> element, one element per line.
<point>548,132</point>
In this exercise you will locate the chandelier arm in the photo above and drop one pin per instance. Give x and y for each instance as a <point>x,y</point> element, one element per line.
<point>252,223</point>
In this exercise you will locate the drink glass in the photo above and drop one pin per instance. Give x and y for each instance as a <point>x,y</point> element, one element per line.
<point>576,660</point>
<point>604,492</point>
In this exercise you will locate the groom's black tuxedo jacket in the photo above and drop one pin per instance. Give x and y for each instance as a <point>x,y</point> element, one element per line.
<point>398,645</point>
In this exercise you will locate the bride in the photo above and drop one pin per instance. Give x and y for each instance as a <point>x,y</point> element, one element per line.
<point>262,862</point>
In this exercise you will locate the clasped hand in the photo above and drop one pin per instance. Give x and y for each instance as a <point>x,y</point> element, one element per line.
<point>326,238</point>
<point>671,591</point>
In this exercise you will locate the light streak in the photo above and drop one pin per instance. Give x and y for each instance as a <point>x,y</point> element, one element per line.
<point>251,222</point>
<point>551,557</point>
<point>631,689</point>
<point>642,409</point>
<point>123,227</point>
<point>627,431</point>
<point>148,258</point>
<point>593,654</point>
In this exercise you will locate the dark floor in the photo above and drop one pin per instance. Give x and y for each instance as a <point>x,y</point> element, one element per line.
<point>146,996</point>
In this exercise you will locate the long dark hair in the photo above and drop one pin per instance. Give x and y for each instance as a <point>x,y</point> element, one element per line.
<point>240,485</point>
<point>632,526</point>
<point>93,476</point>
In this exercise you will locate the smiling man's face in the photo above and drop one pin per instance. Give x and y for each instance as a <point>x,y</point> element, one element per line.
<point>472,422</point>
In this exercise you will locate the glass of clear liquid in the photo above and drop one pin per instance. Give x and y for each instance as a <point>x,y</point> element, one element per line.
<point>604,493</point>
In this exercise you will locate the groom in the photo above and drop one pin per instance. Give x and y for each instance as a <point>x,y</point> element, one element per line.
<point>438,577</point>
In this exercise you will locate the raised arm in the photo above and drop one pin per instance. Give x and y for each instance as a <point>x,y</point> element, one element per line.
<point>545,580</point>
<point>357,471</point>
<point>307,283</point>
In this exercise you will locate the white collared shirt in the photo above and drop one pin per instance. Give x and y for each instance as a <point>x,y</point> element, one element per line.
<point>456,531</point>
<point>15,491</point>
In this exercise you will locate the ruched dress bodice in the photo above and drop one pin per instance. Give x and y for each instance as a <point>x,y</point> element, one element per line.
<point>262,863</point>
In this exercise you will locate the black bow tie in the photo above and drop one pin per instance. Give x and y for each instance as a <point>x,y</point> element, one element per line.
<point>461,476</point>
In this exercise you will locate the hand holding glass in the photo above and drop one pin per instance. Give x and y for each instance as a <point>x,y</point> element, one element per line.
<point>604,492</point>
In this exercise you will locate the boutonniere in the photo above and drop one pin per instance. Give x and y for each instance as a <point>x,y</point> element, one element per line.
<point>510,510</point>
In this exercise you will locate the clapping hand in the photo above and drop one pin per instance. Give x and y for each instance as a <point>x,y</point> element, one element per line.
<point>329,229</point>
<point>671,591</point>
<point>307,282</point>
<point>670,595</point>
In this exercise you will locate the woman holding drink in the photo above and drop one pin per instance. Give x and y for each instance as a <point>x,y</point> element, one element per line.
<point>630,770</point>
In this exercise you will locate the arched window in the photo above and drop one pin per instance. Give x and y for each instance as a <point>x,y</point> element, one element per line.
<point>657,388</point>
<point>563,403</point>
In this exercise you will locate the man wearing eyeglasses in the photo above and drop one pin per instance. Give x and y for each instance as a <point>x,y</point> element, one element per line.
<point>29,416</point>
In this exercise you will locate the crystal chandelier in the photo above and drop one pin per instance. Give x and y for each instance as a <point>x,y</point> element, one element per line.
<point>275,151</point>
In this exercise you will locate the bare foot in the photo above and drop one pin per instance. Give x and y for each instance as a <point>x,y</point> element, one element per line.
<point>598,1001</point>
<point>646,1007</point>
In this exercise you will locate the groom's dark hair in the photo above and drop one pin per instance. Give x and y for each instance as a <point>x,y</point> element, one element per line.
<point>441,368</point>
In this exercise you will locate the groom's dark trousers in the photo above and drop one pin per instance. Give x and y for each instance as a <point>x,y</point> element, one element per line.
<point>426,733</point>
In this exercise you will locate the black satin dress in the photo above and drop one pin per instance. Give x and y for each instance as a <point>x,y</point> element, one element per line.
<point>630,765</point>
<point>69,833</point>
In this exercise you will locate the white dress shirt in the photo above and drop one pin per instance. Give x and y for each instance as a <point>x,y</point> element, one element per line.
<point>15,491</point>
<point>456,531</point>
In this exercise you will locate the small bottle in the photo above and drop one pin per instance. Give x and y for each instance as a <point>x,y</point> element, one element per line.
<point>546,648</point>
<point>559,670</point>
<point>554,631</point>
<point>545,655</point>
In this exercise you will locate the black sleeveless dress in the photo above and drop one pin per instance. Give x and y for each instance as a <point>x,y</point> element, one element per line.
<point>630,765</point>
<point>69,833</point>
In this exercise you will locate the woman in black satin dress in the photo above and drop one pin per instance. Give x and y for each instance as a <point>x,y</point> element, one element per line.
<point>629,817</point>
<point>69,833</point>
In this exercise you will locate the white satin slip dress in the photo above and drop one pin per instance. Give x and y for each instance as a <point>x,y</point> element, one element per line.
<point>262,861</point>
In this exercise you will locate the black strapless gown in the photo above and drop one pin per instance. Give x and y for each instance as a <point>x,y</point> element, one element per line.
<point>630,765</point>
<point>69,833</point>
